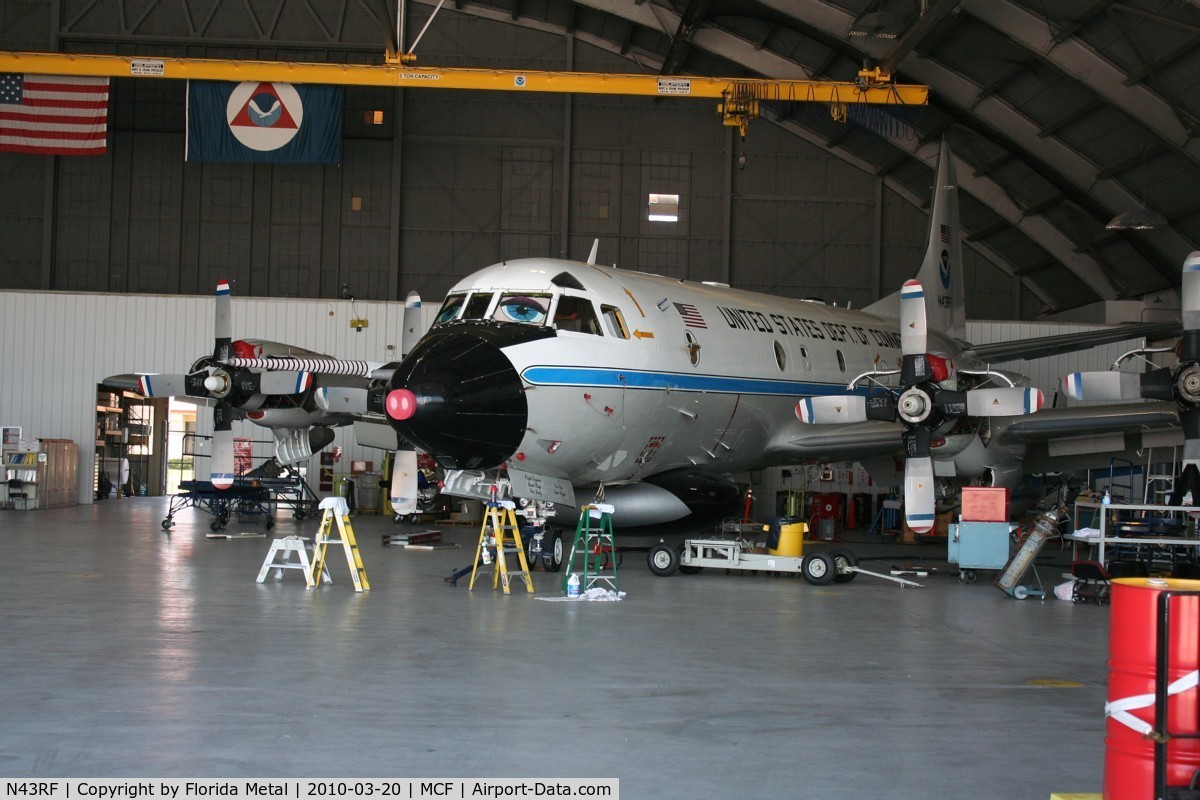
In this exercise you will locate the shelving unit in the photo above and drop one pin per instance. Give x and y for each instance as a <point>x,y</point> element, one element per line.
<point>1118,525</point>
<point>48,473</point>
<point>111,436</point>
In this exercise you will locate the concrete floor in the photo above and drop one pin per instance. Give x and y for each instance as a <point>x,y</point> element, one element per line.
<point>127,652</point>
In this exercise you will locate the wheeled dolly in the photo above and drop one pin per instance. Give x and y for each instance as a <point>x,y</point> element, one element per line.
<point>818,568</point>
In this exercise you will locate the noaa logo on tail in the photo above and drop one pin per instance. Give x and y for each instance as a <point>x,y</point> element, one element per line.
<point>944,235</point>
<point>264,116</point>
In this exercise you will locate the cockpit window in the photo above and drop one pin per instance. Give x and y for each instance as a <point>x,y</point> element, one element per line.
<point>450,308</point>
<point>530,309</point>
<point>614,321</point>
<point>477,306</point>
<point>576,314</point>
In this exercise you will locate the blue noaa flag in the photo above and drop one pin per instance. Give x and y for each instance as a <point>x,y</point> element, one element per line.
<point>261,121</point>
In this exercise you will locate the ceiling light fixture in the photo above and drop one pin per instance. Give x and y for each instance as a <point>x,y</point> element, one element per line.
<point>1137,219</point>
<point>877,24</point>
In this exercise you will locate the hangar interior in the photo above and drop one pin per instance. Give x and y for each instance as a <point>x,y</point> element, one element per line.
<point>1063,118</point>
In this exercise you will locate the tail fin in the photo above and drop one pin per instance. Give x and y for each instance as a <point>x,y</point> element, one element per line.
<point>941,273</point>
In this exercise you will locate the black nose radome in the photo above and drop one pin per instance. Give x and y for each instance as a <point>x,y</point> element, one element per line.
<point>470,409</point>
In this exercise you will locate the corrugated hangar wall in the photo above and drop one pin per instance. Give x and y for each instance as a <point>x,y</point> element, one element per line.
<point>73,341</point>
<point>452,181</point>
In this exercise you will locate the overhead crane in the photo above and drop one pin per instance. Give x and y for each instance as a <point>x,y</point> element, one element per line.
<point>740,97</point>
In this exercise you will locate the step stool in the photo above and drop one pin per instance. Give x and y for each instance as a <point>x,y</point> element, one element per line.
<point>286,546</point>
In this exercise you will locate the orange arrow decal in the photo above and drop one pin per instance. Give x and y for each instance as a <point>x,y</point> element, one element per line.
<point>643,334</point>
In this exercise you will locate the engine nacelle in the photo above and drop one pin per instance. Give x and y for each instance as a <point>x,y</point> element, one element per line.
<point>298,444</point>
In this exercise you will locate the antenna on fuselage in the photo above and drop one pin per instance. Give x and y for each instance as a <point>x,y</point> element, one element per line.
<point>592,255</point>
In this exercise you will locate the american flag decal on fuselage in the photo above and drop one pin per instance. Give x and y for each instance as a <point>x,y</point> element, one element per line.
<point>691,317</point>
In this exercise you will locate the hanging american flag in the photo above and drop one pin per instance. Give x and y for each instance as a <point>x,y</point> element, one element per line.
<point>691,317</point>
<point>61,115</point>
<point>945,234</point>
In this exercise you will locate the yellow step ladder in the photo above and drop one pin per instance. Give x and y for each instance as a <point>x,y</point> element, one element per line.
<point>594,542</point>
<point>336,510</point>
<point>498,532</point>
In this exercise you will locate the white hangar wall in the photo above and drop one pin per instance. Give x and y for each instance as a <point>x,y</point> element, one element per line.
<point>59,345</point>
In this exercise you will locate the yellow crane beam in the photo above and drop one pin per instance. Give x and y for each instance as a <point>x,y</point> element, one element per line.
<point>871,86</point>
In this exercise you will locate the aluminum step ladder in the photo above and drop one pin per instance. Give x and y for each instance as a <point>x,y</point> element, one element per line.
<point>1160,479</point>
<point>337,511</point>
<point>500,534</point>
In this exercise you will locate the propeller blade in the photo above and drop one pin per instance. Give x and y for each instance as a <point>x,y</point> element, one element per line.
<point>832,409</point>
<point>918,493</point>
<point>1004,402</point>
<point>1190,292</point>
<point>412,323</point>
<point>222,323</point>
<point>913,330</point>
<point>1189,477</point>
<point>163,385</point>
<point>1103,385</point>
<point>221,466</point>
<point>403,493</point>
<point>341,399</point>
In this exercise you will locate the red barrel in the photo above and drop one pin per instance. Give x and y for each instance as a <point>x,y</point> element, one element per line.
<point>1129,755</point>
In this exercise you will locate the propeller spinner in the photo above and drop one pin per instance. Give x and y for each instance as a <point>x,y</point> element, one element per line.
<point>921,404</point>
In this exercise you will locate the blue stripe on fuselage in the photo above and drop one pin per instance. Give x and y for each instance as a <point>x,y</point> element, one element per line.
<point>601,377</point>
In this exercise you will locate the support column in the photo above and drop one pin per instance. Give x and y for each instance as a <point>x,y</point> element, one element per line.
<point>564,250</point>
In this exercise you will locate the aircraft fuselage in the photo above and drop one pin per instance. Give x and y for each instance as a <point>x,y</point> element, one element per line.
<point>616,376</point>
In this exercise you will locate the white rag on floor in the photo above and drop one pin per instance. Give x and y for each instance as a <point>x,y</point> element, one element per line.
<point>594,595</point>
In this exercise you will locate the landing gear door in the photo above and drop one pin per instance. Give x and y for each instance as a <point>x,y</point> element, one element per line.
<point>541,487</point>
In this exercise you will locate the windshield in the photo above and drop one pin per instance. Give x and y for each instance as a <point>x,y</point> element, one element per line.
<point>450,308</point>
<point>527,308</point>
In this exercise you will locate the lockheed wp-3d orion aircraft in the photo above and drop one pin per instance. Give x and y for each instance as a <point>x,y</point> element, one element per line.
<point>576,378</point>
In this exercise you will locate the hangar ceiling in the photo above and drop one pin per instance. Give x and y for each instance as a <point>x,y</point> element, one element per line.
<point>1061,114</point>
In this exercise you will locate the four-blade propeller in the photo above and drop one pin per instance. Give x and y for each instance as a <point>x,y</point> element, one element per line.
<point>231,387</point>
<point>921,403</point>
<point>1180,384</point>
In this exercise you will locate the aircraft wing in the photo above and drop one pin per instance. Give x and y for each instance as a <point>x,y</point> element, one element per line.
<point>1041,346</point>
<point>851,442</point>
<point>1052,423</point>
<point>798,443</point>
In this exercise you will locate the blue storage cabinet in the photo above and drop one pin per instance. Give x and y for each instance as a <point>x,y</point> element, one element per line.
<point>978,545</point>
